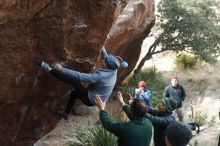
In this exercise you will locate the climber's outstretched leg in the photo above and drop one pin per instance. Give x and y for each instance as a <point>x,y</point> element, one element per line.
<point>80,91</point>
<point>101,82</point>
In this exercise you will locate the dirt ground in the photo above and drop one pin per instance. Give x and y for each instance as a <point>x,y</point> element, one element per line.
<point>57,137</point>
<point>202,88</point>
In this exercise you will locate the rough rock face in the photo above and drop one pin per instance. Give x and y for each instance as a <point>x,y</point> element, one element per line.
<point>129,30</point>
<point>68,31</point>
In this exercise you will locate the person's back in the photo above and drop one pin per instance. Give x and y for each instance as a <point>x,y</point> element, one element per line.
<point>160,129</point>
<point>104,86</point>
<point>136,132</point>
<point>161,118</point>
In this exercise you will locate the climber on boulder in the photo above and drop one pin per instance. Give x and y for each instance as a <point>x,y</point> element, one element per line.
<point>100,83</point>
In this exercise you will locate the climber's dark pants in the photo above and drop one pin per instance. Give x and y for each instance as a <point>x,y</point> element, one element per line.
<point>80,91</point>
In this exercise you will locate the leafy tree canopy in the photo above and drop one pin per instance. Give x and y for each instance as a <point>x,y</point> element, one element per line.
<point>187,25</point>
<point>190,25</point>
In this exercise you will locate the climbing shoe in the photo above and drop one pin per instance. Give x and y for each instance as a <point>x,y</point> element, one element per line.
<point>62,114</point>
<point>44,66</point>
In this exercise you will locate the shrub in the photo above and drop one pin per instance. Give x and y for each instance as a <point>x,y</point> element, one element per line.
<point>94,135</point>
<point>200,117</point>
<point>185,62</point>
<point>213,119</point>
<point>153,80</point>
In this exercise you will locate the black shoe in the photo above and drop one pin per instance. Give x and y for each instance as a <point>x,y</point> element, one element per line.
<point>62,114</point>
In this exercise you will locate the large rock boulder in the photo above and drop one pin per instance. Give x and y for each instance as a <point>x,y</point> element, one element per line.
<point>70,32</point>
<point>128,32</point>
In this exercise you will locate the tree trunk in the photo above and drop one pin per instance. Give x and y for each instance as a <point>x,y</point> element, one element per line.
<point>141,64</point>
<point>150,52</point>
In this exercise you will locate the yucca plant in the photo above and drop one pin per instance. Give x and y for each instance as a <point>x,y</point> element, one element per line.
<point>185,62</point>
<point>200,117</point>
<point>94,135</point>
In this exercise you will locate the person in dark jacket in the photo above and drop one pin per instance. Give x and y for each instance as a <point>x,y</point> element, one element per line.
<point>101,82</point>
<point>136,132</point>
<point>178,134</point>
<point>161,119</point>
<point>177,92</point>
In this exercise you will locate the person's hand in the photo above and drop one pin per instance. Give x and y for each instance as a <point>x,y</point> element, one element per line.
<point>101,105</point>
<point>130,99</point>
<point>58,66</point>
<point>120,98</point>
<point>103,48</point>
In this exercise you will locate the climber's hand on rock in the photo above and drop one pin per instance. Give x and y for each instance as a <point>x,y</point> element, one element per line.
<point>58,66</point>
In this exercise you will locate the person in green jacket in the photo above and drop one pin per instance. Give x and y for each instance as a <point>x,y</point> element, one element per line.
<point>136,132</point>
<point>161,117</point>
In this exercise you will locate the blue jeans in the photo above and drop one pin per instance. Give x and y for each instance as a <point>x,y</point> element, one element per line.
<point>80,91</point>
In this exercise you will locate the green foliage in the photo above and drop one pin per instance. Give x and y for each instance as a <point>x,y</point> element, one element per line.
<point>200,117</point>
<point>185,62</point>
<point>94,135</point>
<point>213,119</point>
<point>153,80</point>
<point>186,25</point>
<point>190,25</point>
